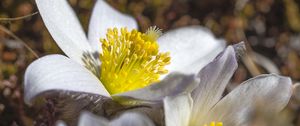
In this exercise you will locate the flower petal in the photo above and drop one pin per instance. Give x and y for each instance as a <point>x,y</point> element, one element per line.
<point>155,112</point>
<point>64,27</point>
<point>60,123</point>
<point>103,17</point>
<point>173,84</point>
<point>190,48</point>
<point>235,109</point>
<point>57,72</point>
<point>178,110</point>
<point>89,119</point>
<point>132,119</point>
<point>126,119</point>
<point>213,80</point>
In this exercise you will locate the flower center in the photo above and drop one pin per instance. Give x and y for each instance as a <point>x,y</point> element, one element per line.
<point>214,124</point>
<point>131,59</point>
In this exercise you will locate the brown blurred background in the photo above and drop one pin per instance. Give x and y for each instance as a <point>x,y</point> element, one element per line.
<point>270,29</point>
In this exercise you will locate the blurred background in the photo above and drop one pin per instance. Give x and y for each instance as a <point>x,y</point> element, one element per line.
<point>270,29</point>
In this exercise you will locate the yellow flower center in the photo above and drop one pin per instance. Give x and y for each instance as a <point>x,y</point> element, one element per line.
<point>214,124</point>
<point>131,59</point>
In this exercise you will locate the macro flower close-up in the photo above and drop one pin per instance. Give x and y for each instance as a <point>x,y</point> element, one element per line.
<point>149,63</point>
<point>128,59</point>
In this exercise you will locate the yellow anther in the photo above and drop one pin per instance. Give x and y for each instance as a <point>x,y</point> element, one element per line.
<point>131,59</point>
<point>214,124</point>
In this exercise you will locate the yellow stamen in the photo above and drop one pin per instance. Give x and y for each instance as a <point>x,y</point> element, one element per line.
<point>131,59</point>
<point>214,124</point>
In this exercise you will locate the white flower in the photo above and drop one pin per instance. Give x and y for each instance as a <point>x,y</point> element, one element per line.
<point>205,107</point>
<point>190,49</point>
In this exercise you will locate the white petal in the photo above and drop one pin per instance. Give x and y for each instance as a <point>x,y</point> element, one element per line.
<point>213,80</point>
<point>60,123</point>
<point>57,72</point>
<point>126,119</point>
<point>104,17</point>
<point>235,109</point>
<point>64,27</point>
<point>178,110</point>
<point>191,48</point>
<point>89,119</point>
<point>173,84</point>
<point>132,119</point>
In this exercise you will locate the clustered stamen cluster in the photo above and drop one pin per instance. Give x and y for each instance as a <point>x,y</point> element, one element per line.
<point>131,59</point>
